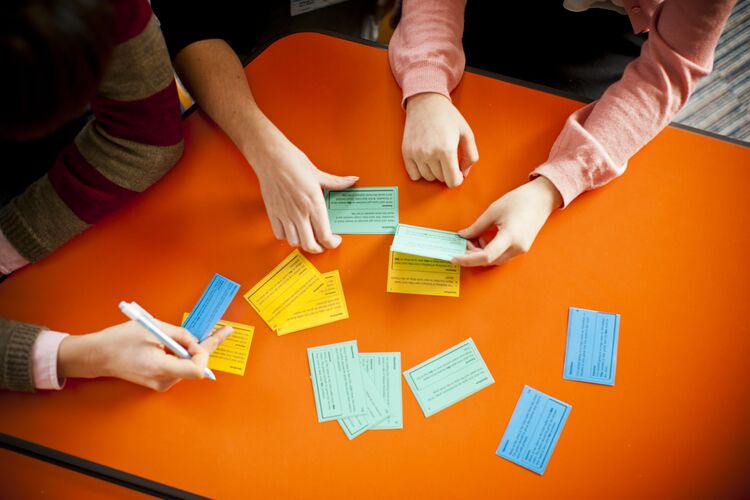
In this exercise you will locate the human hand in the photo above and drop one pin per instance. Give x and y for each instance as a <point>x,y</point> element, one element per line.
<point>128,351</point>
<point>291,188</point>
<point>518,217</point>
<point>438,143</point>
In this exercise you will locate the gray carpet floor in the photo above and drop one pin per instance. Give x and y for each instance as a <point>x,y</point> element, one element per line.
<point>721,102</point>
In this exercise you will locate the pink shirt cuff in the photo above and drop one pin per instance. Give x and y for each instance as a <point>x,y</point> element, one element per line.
<point>10,259</point>
<point>44,360</point>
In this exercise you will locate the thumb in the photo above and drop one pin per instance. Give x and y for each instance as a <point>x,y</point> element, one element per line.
<point>216,338</point>
<point>328,181</point>
<point>469,154</point>
<point>480,225</point>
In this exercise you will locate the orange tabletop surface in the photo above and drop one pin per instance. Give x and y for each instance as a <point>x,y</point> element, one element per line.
<point>25,477</point>
<point>665,246</point>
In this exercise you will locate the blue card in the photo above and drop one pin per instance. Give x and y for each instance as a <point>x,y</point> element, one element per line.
<point>211,306</point>
<point>533,430</point>
<point>591,350</point>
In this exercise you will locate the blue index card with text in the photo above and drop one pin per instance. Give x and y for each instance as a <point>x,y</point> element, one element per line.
<point>533,430</point>
<point>211,306</point>
<point>591,349</point>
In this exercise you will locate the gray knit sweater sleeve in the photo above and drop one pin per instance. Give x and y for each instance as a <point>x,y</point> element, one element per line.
<point>16,342</point>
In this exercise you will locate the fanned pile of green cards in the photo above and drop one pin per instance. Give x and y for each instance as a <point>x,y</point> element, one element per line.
<point>360,391</point>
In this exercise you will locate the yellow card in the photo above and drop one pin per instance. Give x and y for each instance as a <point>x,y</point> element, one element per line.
<point>326,305</point>
<point>422,275</point>
<point>231,355</point>
<point>285,290</point>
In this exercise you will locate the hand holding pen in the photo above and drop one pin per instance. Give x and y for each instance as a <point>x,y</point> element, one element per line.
<point>191,358</point>
<point>130,352</point>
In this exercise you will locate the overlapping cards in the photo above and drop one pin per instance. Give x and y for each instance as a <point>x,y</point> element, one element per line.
<point>591,348</point>
<point>419,262</point>
<point>205,318</point>
<point>231,355</point>
<point>360,391</point>
<point>212,304</point>
<point>295,296</point>
<point>426,242</point>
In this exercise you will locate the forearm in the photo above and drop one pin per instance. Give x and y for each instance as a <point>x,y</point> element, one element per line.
<point>214,76</point>
<point>425,51</point>
<point>598,140</point>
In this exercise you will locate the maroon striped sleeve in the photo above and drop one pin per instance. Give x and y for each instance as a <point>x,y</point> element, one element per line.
<point>131,17</point>
<point>88,193</point>
<point>154,120</point>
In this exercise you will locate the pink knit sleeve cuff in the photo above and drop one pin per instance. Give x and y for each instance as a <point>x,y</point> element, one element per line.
<point>427,77</point>
<point>564,177</point>
<point>10,259</point>
<point>44,360</point>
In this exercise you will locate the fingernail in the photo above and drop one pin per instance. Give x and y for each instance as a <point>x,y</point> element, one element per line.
<point>336,239</point>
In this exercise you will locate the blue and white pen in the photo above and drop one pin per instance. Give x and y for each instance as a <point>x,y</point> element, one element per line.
<point>135,312</point>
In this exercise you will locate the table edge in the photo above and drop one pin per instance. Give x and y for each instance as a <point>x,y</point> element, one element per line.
<point>93,469</point>
<point>476,71</point>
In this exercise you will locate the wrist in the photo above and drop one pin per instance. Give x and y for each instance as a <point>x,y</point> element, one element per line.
<point>80,356</point>
<point>261,142</point>
<point>548,194</point>
<point>424,98</point>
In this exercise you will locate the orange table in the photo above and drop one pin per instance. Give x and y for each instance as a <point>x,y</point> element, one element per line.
<point>25,477</point>
<point>665,246</point>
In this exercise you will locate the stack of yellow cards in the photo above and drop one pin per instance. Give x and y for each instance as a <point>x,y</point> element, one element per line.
<point>295,296</point>
<point>422,275</point>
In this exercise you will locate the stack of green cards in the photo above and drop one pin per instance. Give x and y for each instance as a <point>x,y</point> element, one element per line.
<point>361,391</point>
<point>426,242</point>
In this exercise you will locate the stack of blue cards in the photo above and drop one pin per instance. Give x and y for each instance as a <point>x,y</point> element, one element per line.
<point>591,349</point>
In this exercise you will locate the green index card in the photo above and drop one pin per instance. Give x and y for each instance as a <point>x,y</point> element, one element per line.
<point>370,210</point>
<point>337,381</point>
<point>449,377</point>
<point>425,242</point>
<point>384,369</point>
<point>377,411</point>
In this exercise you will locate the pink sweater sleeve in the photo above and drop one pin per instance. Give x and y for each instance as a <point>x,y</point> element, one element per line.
<point>425,51</point>
<point>597,140</point>
<point>10,259</point>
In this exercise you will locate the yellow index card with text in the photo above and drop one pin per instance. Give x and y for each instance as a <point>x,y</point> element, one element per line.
<point>422,275</point>
<point>231,355</point>
<point>284,290</point>
<point>326,305</point>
